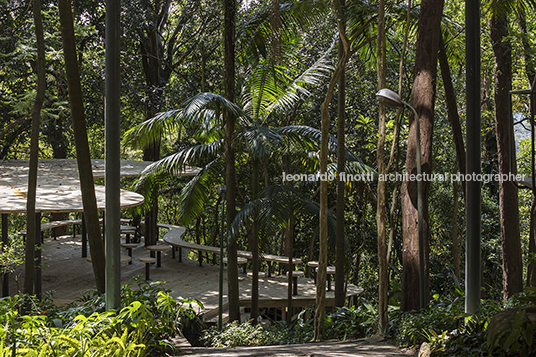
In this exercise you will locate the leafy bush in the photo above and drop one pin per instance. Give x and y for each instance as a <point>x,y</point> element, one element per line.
<point>276,333</point>
<point>443,315</point>
<point>149,316</point>
<point>355,322</point>
<point>235,334</point>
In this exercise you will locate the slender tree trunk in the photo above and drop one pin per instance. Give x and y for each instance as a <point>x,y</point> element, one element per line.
<point>455,242</point>
<point>230,172</point>
<point>530,70</point>
<point>452,109</point>
<point>340,261</point>
<point>203,67</point>
<point>531,269</point>
<point>508,200</point>
<point>83,157</point>
<point>422,99</point>
<point>31,221</point>
<point>380,204</point>
<point>323,236</point>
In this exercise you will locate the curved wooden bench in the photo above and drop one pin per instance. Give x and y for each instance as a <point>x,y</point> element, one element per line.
<point>173,238</point>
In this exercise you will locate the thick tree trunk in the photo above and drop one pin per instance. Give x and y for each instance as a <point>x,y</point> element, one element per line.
<point>340,261</point>
<point>31,221</point>
<point>230,172</point>
<point>508,200</point>
<point>87,185</point>
<point>422,99</point>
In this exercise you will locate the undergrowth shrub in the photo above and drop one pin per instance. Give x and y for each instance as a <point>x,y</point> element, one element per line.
<point>274,333</point>
<point>149,316</point>
<point>354,322</point>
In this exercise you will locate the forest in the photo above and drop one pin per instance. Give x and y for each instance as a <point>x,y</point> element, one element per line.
<point>283,103</point>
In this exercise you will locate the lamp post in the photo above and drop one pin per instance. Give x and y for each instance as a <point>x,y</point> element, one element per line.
<point>220,191</point>
<point>392,100</point>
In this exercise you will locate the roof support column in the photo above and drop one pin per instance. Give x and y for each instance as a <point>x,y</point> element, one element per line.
<point>473,141</point>
<point>112,120</point>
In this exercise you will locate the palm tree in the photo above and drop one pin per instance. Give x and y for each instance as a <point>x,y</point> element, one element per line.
<point>271,87</point>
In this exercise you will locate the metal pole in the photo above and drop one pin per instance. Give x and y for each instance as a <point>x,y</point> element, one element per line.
<point>5,242</point>
<point>473,140</point>
<point>221,192</point>
<point>112,120</point>
<point>38,283</point>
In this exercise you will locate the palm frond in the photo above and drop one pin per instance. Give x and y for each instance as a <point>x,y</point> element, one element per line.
<point>203,113</point>
<point>312,76</point>
<point>208,106</point>
<point>195,193</point>
<point>256,34</point>
<point>259,141</point>
<point>151,130</point>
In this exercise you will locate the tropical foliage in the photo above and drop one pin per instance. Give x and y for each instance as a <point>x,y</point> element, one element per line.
<point>173,95</point>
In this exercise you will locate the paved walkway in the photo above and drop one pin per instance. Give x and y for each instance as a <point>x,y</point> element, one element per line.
<point>357,348</point>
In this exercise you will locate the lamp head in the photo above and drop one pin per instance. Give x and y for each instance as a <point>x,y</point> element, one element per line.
<point>389,98</point>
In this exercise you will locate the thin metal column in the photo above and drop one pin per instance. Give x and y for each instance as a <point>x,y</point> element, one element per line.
<point>5,242</point>
<point>38,283</point>
<point>113,155</point>
<point>473,140</point>
<point>84,237</point>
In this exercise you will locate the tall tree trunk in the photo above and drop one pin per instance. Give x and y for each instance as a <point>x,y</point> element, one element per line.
<point>31,221</point>
<point>340,261</point>
<point>508,200</point>
<point>230,172</point>
<point>530,70</point>
<point>87,185</point>
<point>422,99</point>
<point>452,109</point>
<point>383,275</point>
<point>323,217</point>
<point>531,269</point>
<point>455,242</point>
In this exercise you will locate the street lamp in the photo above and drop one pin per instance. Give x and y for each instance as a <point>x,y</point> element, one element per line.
<point>220,191</point>
<point>392,100</point>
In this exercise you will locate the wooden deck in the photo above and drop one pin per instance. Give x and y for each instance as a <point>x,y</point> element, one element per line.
<point>68,275</point>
